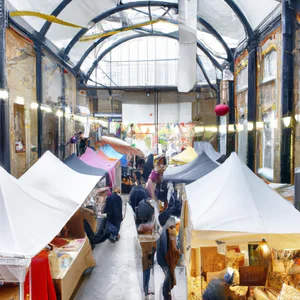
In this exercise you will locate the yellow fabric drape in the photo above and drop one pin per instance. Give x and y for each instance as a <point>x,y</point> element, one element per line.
<point>48,18</point>
<point>109,33</point>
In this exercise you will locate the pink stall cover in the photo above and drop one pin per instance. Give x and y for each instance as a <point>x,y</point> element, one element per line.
<point>96,160</point>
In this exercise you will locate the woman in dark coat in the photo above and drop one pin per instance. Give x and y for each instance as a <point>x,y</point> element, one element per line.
<point>148,167</point>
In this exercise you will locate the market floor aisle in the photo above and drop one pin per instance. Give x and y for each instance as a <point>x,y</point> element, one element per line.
<point>118,274</point>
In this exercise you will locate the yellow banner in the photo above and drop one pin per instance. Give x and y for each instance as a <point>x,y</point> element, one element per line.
<point>109,33</point>
<point>48,18</point>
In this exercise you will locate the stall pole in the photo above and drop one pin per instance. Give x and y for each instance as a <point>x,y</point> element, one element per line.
<point>4,100</point>
<point>21,290</point>
<point>30,282</point>
<point>287,87</point>
<point>297,189</point>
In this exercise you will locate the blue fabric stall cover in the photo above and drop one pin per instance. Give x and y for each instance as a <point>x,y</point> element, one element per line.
<point>192,171</point>
<point>112,153</point>
<point>79,166</point>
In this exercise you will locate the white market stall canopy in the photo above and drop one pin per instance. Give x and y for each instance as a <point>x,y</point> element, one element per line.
<point>208,148</point>
<point>54,178</point>
<point>233,205</point>
<point>29,218</point>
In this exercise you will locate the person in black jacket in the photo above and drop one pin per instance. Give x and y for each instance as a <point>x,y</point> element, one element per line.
<point>113,212</point>
<point>148,167</point>
<point>138,193</point>
<point>110,222</point>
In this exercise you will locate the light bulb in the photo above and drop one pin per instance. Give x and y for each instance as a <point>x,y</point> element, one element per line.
<point>59,113</point>
<point>287,121</point>
<point>34,105</point>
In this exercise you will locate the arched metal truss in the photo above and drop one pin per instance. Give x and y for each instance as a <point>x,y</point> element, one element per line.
<point>248,29</point>
<point>122,7</point>
<point>126,39</point>
<point>200,45</point>
<point>150,33</point>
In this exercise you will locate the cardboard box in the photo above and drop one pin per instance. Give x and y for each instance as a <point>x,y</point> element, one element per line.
<point>67,282</point>
<point>147,254</point>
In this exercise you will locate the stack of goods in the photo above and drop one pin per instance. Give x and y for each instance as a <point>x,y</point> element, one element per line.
<point>63,254</point>
<point>285,269</point>
<point>126,184</point>
<point>100,198</point>
<point>194,287</point>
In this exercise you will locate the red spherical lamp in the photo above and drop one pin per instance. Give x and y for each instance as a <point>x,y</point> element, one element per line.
<point>221,110</point>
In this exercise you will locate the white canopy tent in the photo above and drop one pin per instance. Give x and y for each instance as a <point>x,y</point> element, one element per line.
<point>233,205</point>
<point>56,179</point>
<point>29,218</point>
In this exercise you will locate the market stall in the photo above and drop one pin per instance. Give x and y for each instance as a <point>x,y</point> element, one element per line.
<point>210,151</point>
<point>69,189</point>
<point>111,153</point>
<point>190,172</point>
<point>186,156</point>
<point>91,158</point>
<point>79,166</point>
<point>37,218</point>
<point>53,177</point>
<point>236,221</point>
<point>120,146</point>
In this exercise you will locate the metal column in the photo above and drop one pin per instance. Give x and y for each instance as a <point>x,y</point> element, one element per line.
<point>156,118</point>
<point>39,96</point>
<point>252,87</point>
<point>287,87</point>
<point>63,120</point>
<point>231,119</point>
<point>4,101</point>
<point>218,101</point>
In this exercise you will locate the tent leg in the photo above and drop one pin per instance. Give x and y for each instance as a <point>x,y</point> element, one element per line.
<point>21,290</point>
<point>30,283</point>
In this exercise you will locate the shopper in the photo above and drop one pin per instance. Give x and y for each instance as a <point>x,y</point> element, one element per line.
<point>218,289</point>
<point>138,193</point>
<point>148,167</point>
<point>110,221</point>
<point>113,212</point>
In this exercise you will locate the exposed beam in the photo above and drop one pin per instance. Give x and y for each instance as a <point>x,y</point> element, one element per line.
<point>114,10</point>
<point>200,64</point>
<point>55,13</point>
<point>126,6</point>
<point>200,45</point>
<point>82,86</point>
<point>242,18</point>
<point>215,33</point>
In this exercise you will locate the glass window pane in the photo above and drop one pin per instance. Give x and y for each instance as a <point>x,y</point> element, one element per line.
<point>222,18</point>
<point>251,11</point>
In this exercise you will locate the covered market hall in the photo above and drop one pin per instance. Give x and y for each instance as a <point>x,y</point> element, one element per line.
<point>149,150</point>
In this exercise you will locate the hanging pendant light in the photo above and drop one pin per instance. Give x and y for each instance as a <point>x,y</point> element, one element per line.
<point>221,110</point>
